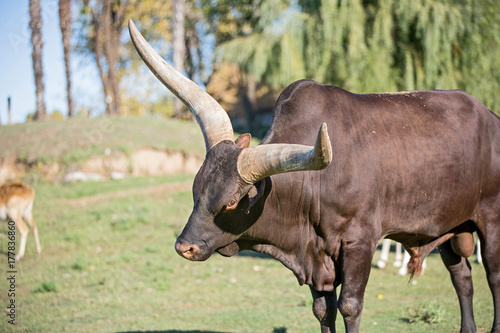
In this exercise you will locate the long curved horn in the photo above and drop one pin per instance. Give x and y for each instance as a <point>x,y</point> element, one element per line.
<point>259,162</point>
<point>211,117</point>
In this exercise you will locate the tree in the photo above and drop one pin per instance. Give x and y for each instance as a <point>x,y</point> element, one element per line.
<point>367,45</point>
<point>157,22</point>
<point>66,28</point>
<point>176,29</point>
<point>37,43</point>
<point>107,21</point>
<point>245,35</point>
<point>178,44</point>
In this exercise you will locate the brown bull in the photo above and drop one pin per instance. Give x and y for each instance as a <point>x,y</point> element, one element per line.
<point>420,167</point>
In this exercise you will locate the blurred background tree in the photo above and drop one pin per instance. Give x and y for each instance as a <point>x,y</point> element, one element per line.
<point>36,55</point>
<point>245,51</point>
<point>66,31</point>
<point>104,21</point>
<point>373,46</point>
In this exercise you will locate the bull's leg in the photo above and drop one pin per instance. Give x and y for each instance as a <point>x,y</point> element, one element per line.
<point>325,309</point>
<point>356,265</point>
<point>490,253</point>
<point>460,272</point>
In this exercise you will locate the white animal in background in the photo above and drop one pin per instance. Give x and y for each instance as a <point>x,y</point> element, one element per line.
<point>479,259</point>
<point>16,203</point>
<point>384,254</point>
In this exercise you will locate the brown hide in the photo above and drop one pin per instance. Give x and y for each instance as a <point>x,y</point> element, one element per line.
<point>419,167</point>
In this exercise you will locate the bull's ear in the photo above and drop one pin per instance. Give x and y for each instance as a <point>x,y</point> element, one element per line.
<point>243,140</point>
<point>255,193</point>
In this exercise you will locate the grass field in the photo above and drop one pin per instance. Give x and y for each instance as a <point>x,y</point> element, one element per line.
<point>109,265</point>
<point>75,140</point>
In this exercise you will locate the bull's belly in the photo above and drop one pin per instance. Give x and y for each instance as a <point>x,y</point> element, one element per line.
<point>432,215</point>
<point>428,227</point>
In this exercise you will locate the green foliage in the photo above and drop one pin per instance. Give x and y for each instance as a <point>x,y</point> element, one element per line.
<point>429,313</point>
<point>79,265</point>
<point>56,115</point>
<point>360,45</point>
<point>273,52</point>
<point>46,287</point>
<point>371,46</point>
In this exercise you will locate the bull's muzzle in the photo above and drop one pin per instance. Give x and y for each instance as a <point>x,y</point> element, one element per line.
<point>187,250</point>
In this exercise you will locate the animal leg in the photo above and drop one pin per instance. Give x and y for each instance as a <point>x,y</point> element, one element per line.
<point>325,309</point>
<point>404,265</point>
<point>399,256</point>
<point>490,252</point>
<point>479,260</point>
<point>460,273</point>
<point>23,230</point>
<point>384,253</point>
<point>356,266</point>
<point>29,218</point>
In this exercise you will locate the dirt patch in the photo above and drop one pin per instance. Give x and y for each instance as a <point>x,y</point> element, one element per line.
<point>147,161</point>
<point>105,165</point>
<point>143,162</point>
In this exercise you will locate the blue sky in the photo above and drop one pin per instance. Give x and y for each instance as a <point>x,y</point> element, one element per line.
<point>16,69</point>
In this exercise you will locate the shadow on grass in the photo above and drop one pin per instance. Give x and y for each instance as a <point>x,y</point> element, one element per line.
<point>171,331</point>
<point>276,330</point>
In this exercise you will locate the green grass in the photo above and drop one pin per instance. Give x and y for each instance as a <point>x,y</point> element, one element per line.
<point>108,265</point>
<point>75,140</point>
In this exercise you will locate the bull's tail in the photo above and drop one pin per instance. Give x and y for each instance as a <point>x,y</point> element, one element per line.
<point>415,266</point>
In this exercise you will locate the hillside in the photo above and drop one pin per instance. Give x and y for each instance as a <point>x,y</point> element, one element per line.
<point>125,145</point>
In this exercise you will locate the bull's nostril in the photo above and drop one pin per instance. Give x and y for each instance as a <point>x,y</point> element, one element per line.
<point>187,250</point>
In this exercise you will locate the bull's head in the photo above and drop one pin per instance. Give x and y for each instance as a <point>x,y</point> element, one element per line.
<point>227,185</point>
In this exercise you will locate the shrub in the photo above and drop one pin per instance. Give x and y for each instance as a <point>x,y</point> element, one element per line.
<point>430,313</point>
<point>46,287</point>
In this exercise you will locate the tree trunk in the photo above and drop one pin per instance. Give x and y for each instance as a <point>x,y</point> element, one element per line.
<point>65,24</point>
<point>110,52</point>
<point>9,111</point>
<point>98,54</point>
<point>178,46</point>
<point>37,43</point>
<point>107,22</point>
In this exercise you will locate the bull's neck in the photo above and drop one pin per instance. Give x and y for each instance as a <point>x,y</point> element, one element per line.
<point>286,229</point>
<point>291,205</point>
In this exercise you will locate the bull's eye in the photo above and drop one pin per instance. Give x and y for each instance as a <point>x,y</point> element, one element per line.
<point>232,204</point>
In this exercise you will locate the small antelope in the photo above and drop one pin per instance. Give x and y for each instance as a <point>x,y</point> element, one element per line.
<point>16,202</point>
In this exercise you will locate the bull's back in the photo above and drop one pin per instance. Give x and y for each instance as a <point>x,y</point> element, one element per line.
<point>410,158</point>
